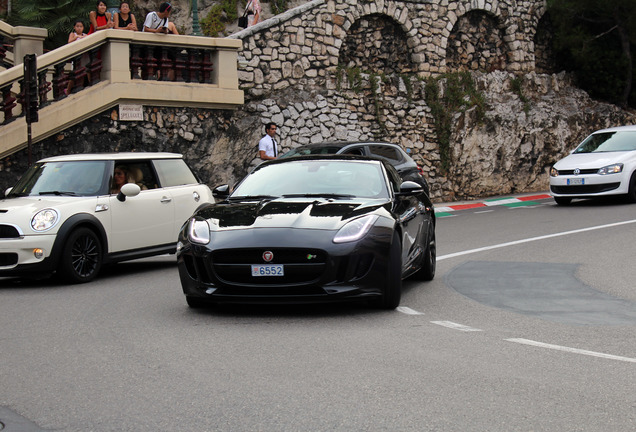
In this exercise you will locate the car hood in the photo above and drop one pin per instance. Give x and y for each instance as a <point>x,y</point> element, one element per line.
<point>593,160</point>
<point>312,213</point>
<point>19,210</point>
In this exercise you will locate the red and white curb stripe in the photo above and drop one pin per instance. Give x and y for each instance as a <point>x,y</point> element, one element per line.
<point>510,202</point>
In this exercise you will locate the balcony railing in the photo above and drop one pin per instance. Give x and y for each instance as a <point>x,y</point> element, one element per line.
<point>117,66</point>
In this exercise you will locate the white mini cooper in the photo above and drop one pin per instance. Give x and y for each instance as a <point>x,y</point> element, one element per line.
<point>71,214</point>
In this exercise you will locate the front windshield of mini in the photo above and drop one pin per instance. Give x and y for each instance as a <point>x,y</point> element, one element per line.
<point>315,178</point>
<point>71,178</point>
<point>608,142</point>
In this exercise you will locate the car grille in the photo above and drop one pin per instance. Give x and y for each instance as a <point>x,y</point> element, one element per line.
<point>9,231</point>
<point>583,171</point>
<point>584,189</point>
<point>8,259</point>
<point>302,266</point>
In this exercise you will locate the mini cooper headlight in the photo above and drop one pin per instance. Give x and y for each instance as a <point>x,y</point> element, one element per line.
<point>199,231</point>
<point>355,230</point>
<point>44,220</point>
<point>611,169</point>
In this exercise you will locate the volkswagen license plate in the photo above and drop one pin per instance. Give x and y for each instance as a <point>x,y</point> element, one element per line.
<point>268,270</point>
<point>576,181</point>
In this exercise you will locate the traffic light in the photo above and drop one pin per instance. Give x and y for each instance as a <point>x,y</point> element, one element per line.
<point>31,88</point>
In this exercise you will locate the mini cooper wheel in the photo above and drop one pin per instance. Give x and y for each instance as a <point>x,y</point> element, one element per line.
<point>197,303</point>
<point>81,257</point>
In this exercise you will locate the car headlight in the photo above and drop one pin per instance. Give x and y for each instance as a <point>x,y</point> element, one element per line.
<point>44,220</point>
<point>355,230</point>
<point>611,169</point>
<point>554,172</point>
<point>199,231</point>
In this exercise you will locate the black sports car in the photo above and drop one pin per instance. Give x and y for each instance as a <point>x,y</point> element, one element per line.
<point>309,229</point>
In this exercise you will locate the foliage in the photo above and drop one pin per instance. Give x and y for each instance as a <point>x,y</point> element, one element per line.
<point>220,14</point>
<point>57,16</point>
<point>596,40</point>
<point>516,87</point>
<point>459,95</point>
<point>278,6</point>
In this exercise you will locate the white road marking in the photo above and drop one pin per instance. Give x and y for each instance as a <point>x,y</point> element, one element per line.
<point>456,326</point>
<point>408,311</point>
<point>484,211</point>
<point>531,239</point>
<point>572,350</point>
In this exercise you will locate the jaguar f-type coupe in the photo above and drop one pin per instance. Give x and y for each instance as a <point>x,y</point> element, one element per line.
<point>309,229</point>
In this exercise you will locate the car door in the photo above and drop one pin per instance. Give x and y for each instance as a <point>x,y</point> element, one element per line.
<point>145,220</point>
<point>184,188</point>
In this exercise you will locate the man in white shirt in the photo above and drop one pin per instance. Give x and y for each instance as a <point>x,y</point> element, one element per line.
<point>157,22</point>
<point>267,146</point>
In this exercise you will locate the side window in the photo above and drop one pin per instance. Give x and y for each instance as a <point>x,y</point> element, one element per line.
<point>386,152</point>
<point>354,151</point>
<point>133,171</point>
<point>174,172</point>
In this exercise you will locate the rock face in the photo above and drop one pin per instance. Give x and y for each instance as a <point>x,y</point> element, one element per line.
<point>353,70</point>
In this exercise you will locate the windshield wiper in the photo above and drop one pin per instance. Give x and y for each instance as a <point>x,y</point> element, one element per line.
<point>251,197</point>
<point>318,195</point>
<point>58,193</point>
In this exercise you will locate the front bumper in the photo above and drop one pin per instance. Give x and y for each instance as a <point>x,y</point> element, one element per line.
<point>17,255</point>
<point>351,271</point>
<point>588,185</point>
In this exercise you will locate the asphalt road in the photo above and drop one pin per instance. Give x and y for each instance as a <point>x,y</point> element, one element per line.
<point>528,326</point>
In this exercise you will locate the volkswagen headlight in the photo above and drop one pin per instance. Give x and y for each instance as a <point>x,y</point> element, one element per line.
<point>611,169</point>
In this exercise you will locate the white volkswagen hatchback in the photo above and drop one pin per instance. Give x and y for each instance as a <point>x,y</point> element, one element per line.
<point>603,164</point>
<point>71,214</point>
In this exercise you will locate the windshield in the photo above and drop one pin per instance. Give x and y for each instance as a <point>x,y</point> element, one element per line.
<point>608,142</point>
<point>81,178</point>
<point>315,178</point>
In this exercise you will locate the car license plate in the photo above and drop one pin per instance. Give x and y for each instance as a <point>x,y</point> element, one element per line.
<point>268,270</point>
<point>576,181</point>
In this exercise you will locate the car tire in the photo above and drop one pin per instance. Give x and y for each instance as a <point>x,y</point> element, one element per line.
<point>429,261</point>
<point>196,302</point>
<point>81,257</point>
<point>631,194</point>
<point>392,290</point>
<point>563,201</point>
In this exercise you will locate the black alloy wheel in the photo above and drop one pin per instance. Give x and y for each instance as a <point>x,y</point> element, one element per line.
<point>429,260</point>
<point>563,200</point>
<point>81,257</point>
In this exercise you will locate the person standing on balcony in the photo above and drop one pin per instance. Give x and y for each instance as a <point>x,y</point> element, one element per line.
<point>157,22</point>
<point>100,19</point>
<point>253,10</point>
<point>78,32</point>
<point>124,20</point>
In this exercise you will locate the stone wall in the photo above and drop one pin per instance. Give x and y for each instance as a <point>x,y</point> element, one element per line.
<point>303,70</point>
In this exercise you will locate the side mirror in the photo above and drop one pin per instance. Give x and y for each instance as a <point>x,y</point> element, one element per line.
<point>410,188</point>
<point>128,190</point>
<point>221,192</point>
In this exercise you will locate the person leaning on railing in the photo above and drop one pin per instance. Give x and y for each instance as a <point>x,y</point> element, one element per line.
<point>157,22</point>
<point>124,20</point>
<point>100,19</point>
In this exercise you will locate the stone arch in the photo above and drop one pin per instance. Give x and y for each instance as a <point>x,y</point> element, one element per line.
<point>376,43</point>
<point>543,52</point>
<point>476,42</point>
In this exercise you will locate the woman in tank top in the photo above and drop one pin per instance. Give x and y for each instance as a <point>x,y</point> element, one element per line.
<point>100,19</point>
<point>124,20</point>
